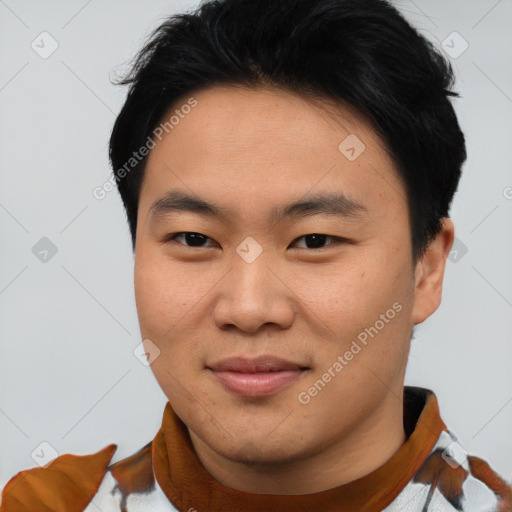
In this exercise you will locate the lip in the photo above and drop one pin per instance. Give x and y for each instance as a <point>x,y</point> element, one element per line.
<point>262,376</point>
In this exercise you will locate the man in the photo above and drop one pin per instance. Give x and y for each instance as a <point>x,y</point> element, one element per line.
<point>287,170</point>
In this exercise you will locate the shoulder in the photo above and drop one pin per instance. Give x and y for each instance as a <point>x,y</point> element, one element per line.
<point>451,479</point>
<point>482,472</point>
<point>87,483</point>
<point>65,484</point>
<point>130,486</point>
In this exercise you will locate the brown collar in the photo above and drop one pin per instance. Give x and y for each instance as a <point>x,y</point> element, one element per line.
<point>189,486</point>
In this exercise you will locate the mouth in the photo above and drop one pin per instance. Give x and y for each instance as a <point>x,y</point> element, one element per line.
<point>258,377</point>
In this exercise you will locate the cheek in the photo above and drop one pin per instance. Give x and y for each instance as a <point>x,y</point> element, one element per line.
<point>164,308</point>
<point>148,296</point>
<point>343,292</point>
<point>170,311</point>
<point>348,299</point>
<point>156,297</point>
<point>162,293</point>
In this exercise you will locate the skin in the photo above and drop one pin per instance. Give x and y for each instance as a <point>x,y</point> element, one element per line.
<point>249,150</point>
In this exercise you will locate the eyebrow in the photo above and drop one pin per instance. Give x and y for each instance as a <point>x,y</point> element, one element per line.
<point>327,203</point>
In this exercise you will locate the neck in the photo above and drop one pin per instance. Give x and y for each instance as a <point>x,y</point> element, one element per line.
<point>351,456</point>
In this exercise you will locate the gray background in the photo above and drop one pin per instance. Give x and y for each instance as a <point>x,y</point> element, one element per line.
<point>68,325</point>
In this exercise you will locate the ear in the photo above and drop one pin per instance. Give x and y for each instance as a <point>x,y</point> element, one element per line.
<point>429,273</point>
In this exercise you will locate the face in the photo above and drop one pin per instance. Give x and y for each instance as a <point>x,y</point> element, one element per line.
<point>281,311</point>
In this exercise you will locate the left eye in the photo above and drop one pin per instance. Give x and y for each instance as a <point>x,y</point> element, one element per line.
<point>316,240</point>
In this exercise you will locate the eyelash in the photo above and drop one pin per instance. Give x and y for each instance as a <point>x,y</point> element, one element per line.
<point>172,239</point>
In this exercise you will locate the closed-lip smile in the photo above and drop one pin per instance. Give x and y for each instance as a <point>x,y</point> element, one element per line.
<point>256,377</point>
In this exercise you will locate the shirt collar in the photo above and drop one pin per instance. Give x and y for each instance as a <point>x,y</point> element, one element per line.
<point>188,485</point>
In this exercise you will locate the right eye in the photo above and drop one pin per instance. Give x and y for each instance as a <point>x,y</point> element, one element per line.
<point>191,239</point>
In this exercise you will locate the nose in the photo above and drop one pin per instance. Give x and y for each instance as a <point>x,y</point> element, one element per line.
<point>253,295</point>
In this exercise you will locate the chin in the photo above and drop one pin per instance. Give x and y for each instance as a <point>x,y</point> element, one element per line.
<point>259,452</point>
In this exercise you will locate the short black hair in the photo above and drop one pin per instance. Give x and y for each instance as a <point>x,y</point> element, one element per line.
<point>357,52</point>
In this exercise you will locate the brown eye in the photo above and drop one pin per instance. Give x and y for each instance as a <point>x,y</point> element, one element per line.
<point>316,241</point>
<point>188,239</point>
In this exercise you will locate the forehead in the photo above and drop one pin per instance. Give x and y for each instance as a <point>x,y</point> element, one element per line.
<point>226,114</point>
<point>264,144</point>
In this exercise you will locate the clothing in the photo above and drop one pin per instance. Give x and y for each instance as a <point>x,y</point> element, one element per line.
<point>166,476</point>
